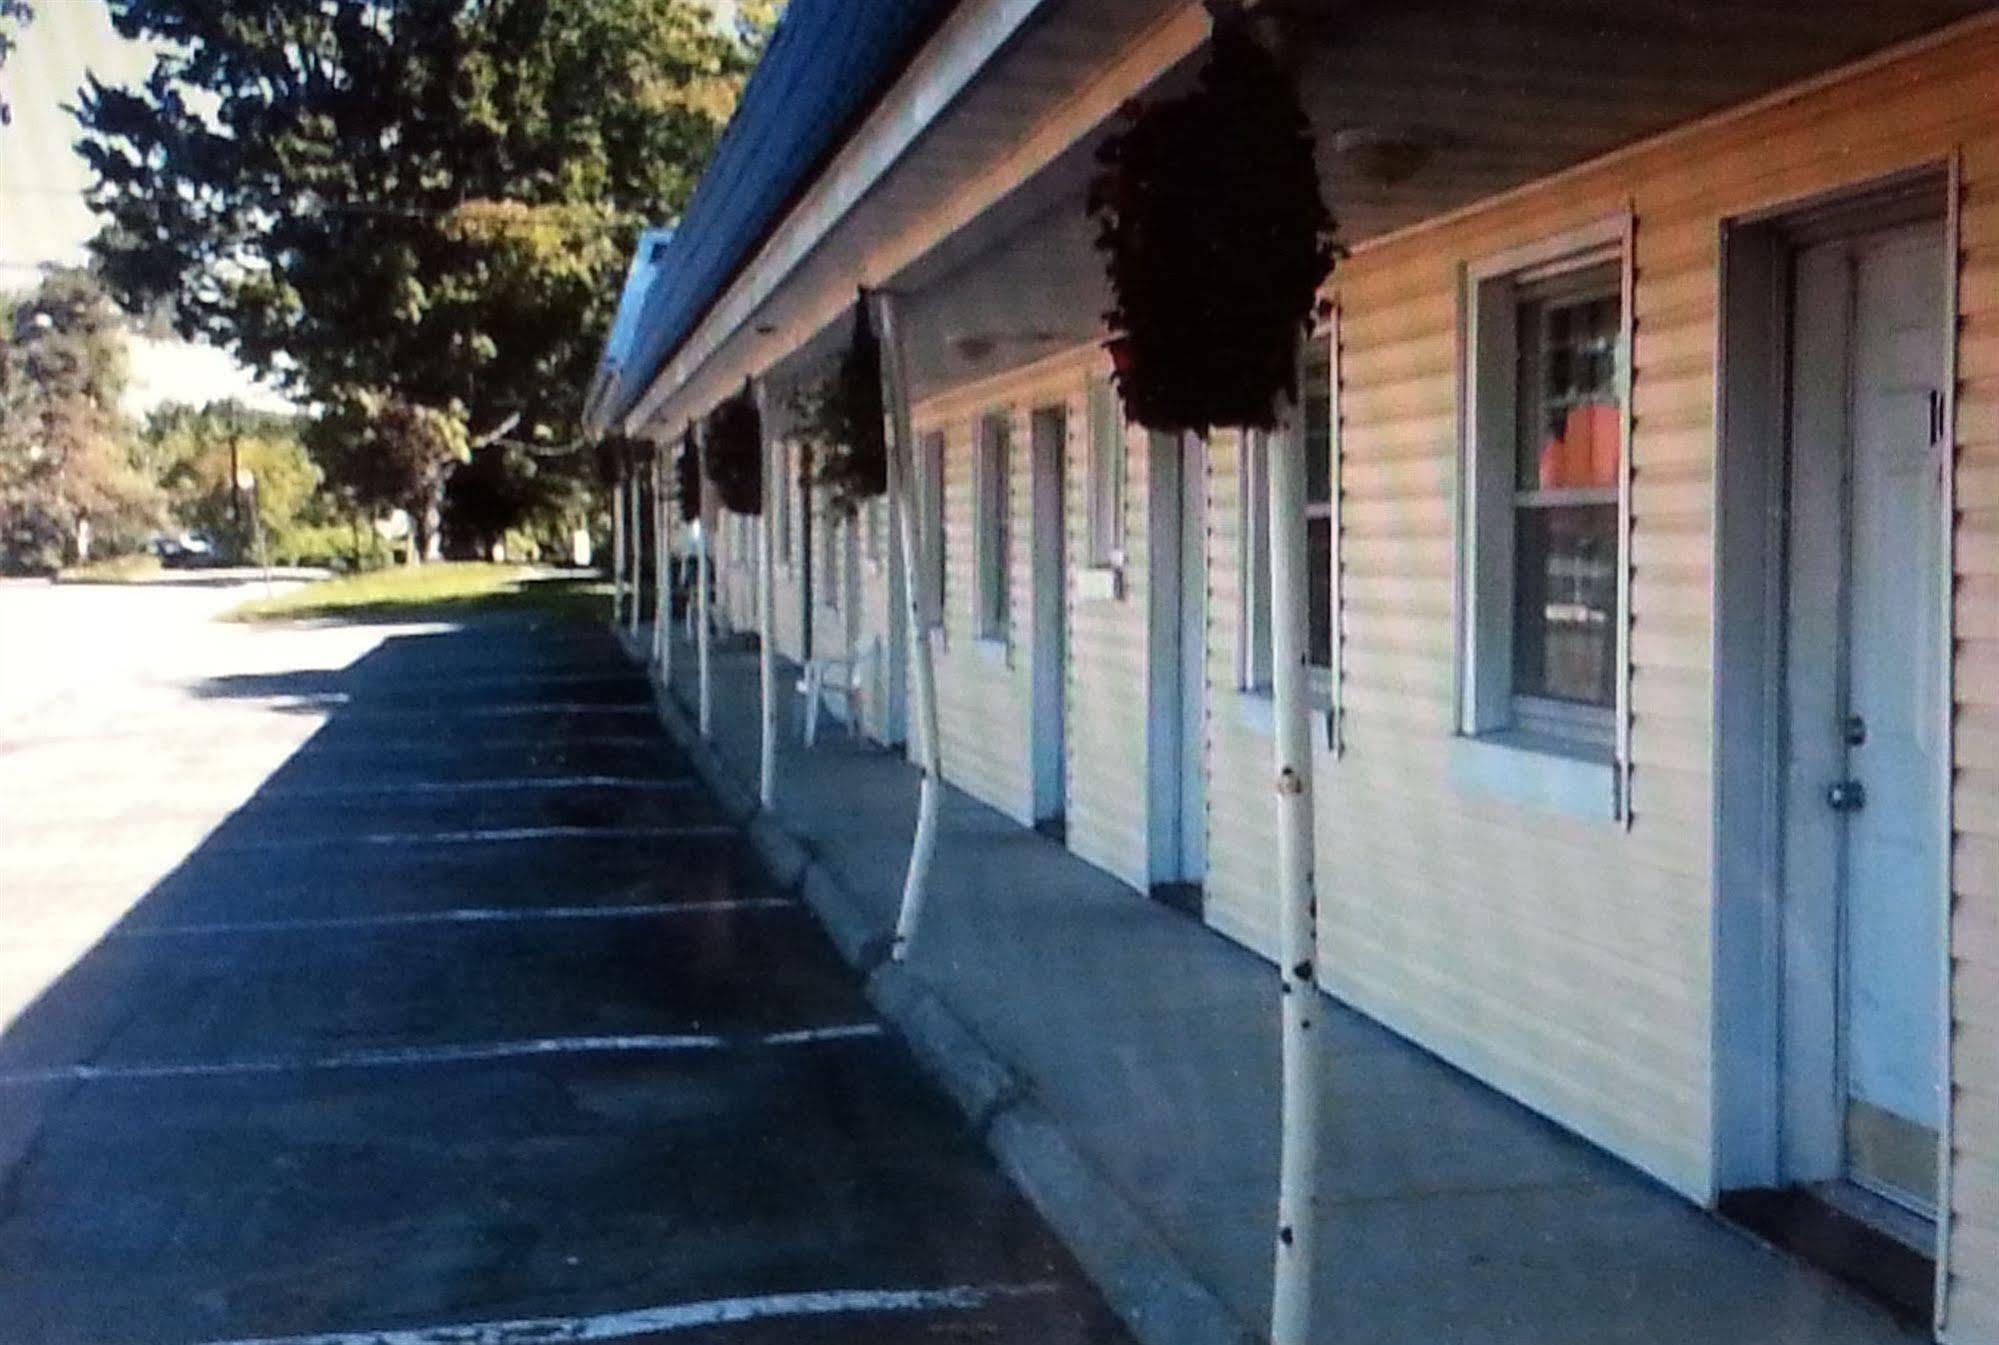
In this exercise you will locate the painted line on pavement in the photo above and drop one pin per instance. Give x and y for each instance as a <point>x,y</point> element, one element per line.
<point>524,710</point>
<point>315,748</point>
<point>679,1317</point>
<point>633,782</point>
<point>486,836</point>
<point>806,1036</point>
<point>474,915</point>
<point>404,1056</point>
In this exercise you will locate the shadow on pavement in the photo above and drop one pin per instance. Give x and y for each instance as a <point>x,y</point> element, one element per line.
<point>478,1011</point>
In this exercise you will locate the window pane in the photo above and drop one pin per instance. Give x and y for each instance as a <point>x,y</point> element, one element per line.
<point>932,504</point>
<point>1571,421</point>
<point>1319,590</point>
<point>1565,603</point>
<point>1316,407</point>
<point>1254,661</point>
<point>992,502</point>
<point>1104,482</point>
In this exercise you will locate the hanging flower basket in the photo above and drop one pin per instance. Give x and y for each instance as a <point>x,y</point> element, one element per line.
<point>735,454</point>
<point>1215,241</point>
<point>853,458</point>
<point>687,476</point>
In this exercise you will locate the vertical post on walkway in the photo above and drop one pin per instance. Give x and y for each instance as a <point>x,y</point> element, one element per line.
<point>901,475</point>
<point>617,550</point>
<point>766,608</point>
<point>705,704</point>
<point>1297,1196</point>
<point>662,566</point>
<point>636,549</point>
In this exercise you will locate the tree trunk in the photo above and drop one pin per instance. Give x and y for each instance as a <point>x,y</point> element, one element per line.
<point>1298,1140</point>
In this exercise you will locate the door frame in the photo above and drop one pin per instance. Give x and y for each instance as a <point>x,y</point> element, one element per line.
<point>1751,574</point>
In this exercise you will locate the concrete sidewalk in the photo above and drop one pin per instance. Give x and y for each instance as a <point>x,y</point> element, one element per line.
<point>1121,1059</point>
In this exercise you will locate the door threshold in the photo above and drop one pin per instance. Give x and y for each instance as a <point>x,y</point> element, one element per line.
<point>1186,898</point>
<point>1845,1231</point>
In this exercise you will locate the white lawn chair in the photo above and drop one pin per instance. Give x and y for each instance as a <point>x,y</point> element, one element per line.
<point>842,676</point>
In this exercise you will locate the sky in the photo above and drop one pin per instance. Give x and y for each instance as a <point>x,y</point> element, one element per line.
<point>43,218</point>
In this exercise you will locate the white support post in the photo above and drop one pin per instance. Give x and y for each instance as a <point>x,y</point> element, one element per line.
<point>706,703</point>
<point>1298,1148</point>
<point>635,548</point>
<point>662,589</point>
<point>618,551</point>
<point>901,473</point>
<point>766,613</point>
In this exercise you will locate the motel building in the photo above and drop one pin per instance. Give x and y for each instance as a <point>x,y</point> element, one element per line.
<point>1651,510</point>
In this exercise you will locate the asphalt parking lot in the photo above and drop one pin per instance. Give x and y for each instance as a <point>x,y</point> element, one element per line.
<point>379,983</point>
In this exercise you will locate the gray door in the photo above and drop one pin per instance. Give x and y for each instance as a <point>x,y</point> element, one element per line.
<point>1865,717</point>
<point>1176,593</point>
<point>1050,636</point>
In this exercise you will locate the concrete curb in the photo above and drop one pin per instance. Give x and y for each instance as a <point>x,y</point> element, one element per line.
<point>1150,1287</point>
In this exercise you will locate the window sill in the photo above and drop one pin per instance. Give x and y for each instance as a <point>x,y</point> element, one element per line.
<point>1257,712</point>
<point>1100,583</point>
<point>1535,772</point>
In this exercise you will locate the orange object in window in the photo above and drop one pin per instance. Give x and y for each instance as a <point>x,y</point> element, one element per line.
<point>1605,435</point>
<point>1586,454</point>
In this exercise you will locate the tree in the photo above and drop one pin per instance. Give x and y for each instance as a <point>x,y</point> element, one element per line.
<point>66,466</point>
<point>195,453</point>
<point>432,200</point>
<point>756,20</point>
<point>494,492</point>
<point>14,15</point>
<point>382,453</point>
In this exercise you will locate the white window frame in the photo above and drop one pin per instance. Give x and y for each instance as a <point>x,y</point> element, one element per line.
<point>1253,625</point>
<point>992,587</point>
<point>828,536</point>
<point>874,532</point>
<point>1253,614</point>
<point>779,508</point>
<point>1104,479</point>
<point>1540,765</point>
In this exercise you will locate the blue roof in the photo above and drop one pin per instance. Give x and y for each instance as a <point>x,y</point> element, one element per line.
<point>826,65</point>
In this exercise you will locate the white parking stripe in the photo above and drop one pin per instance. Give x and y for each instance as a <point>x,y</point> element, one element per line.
<point>475,915</point>
<point>677,1317</point>
<point>479,837</point>
<point>526,708</point>
<point>395,1056</point>
<point>314,747</point>
<point>805,1036</point>
<point>632,782</point>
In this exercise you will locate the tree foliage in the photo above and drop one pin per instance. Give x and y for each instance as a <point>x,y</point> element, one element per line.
<point>66,463</point>
<point>503,489</point>
<point>194,453</point>
<point>14,14</point>
<point>428,203</point>
<point>381,453</point>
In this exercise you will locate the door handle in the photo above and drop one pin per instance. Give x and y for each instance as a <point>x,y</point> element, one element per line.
<point>1846,796</point>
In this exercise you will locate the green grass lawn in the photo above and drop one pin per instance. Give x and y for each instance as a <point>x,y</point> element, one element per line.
<point>117,570</point>
<point>433,592</point>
